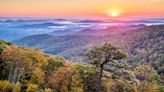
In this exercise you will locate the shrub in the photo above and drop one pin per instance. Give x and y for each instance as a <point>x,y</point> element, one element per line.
<point>161,89</point>
<point>47,90</point>
<point>54,63</point>
<point>5,86</point>
<point>5,43</point>
<point>32,88</point>
<point>17,87</point>
<point>121,86</point>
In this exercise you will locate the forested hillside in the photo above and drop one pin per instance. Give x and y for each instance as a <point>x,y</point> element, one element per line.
<point>28,69</point>
<point>145,45</point>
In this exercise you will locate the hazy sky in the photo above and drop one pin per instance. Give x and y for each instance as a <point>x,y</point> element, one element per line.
<point>72,8</point>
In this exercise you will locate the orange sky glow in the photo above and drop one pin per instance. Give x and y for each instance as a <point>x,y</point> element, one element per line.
<point>81,8</point>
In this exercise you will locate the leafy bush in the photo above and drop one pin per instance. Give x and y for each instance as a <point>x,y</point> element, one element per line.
<point>2,42</point>
<point>121,86</point>
<point>47,90</point>
<point>1,48</point>
<point>64,79</point>
<point>161,89</point>
<point>32,88</point>
<point>54,63</point>
<point>17,87</point>
<point>38,76</point>
<point>5,86</point>
<point>89,77</point>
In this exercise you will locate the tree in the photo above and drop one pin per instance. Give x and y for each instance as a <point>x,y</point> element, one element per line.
<point>53,64</point>
<point>88,77</point>
<point>20,62</point>
<point>148,77</point>
<point>102,55</point>
<point>38,77</point>
<point>121,86</point>
<point>63,80</point>
<point>16,63</point>
<point>3,45</point>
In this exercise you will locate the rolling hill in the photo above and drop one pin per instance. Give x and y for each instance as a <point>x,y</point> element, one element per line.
<point>144,45</point>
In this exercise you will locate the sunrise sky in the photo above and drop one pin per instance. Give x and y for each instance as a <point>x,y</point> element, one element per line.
<point>81,8</point>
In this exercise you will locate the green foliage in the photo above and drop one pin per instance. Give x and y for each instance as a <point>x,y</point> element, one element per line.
<point>32,88</point>
<point>156,76</point>
<point>16,63</point>
<point>145,44</point>
<point>122,86</point>
<point>149,79</point>
<point>65,79</point>
<point>2,42</point>
<point>1,48</point>
<point>53,64</point>
<point>104,54</point>
<point>24,69</point>
<point>19,62</point>
<point>147,73</point>
<point>161,89</point>
<point>5,86</point>
<point>38,76</point>
<point>17,87</point>
<point>47,90</point>
<point>89,76</point>
<point>162,58</point>
<point>148,87</point>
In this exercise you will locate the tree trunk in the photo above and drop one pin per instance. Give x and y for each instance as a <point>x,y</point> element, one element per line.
<point>19,76</point>
<point>99,79</point>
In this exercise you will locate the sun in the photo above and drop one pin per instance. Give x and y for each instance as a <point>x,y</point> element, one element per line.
<point>114,13</point>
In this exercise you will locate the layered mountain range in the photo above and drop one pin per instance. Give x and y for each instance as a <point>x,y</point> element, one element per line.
<point>145,44</point>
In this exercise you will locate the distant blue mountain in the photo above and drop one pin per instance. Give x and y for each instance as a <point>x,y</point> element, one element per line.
<point>42,25</point>
<point>91,21</point>
<point>16,28</point>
